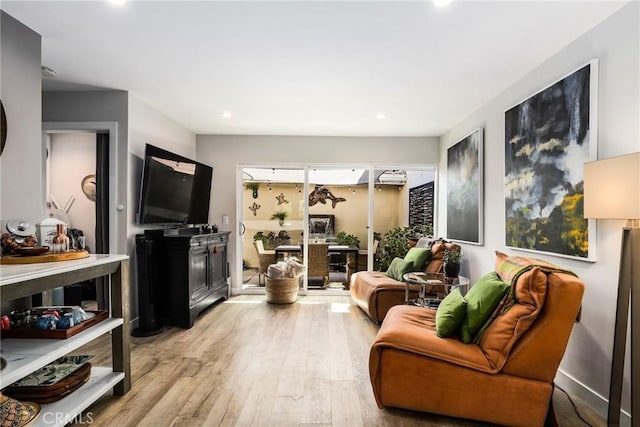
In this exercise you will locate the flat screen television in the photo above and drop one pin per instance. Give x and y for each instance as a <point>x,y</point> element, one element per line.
<point>174,189</point>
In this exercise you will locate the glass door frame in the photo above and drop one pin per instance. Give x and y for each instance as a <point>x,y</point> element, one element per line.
<point>305,221</point>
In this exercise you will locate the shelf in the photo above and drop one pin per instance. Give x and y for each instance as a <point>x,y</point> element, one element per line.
<point>64,411</point>
<point>27,355</point>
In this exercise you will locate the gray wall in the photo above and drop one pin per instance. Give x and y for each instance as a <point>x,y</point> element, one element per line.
<point>226,152</point>
<point>615,42</point>
<point>93,107</point>
<point>23,158</point>
<point>20,87</point>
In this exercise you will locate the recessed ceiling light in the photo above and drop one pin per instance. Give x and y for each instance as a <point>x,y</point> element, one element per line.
<point>441,3</point>
<point>226,114</point>
<point>380,116</point>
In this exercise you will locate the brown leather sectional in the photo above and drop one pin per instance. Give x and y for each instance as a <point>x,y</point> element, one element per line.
<point>375,292</point>
<point>507,378</point>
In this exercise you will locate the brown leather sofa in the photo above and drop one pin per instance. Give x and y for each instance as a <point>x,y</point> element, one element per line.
<point>507,378</point>
<point>375,292</point>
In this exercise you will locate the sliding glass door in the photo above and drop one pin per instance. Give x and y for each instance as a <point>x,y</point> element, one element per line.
<point>332,218</point>
<point>403,206</point>
<point>272,219</point>
<point>338,206</point>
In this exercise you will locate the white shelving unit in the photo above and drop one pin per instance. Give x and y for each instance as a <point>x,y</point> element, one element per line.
<point>27,355</point>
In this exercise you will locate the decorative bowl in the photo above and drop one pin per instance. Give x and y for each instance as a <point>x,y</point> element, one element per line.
<point>31,250</point>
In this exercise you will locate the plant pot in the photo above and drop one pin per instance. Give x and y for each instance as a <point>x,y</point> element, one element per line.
<point>451,270</point>
<point>281,222</point>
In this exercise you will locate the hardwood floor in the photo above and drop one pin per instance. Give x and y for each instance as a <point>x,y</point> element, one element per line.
<point>249,363</point>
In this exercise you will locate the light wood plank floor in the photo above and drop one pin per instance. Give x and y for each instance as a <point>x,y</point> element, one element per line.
<point>249,363</point>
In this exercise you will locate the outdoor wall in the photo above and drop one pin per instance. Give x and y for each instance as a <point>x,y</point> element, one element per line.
<point>585,369</point>
<point>350,216</point>
<point>226,152</point>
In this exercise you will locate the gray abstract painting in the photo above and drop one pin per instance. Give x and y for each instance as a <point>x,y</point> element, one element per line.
<point>464,189</point>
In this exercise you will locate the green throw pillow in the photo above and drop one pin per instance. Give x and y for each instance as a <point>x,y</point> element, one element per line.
<point>450,314</point>
<point>419,257</point>
<point>482,299</point>
<point>398,268</point>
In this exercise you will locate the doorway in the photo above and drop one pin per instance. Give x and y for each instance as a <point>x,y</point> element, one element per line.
<point>349,209</point>
<point>78,184</point>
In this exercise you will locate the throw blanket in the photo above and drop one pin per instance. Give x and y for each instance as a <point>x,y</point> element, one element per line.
<point>512,267</point>
<point>509,271</point>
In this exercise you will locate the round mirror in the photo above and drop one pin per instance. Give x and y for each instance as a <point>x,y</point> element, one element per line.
<point>3,128</point>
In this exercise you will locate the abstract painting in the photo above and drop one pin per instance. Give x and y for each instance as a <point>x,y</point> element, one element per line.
<point>464,189</point>
<point>548,137</point>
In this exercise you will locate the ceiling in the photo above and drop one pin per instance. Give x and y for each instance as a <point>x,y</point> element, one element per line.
<point>305,67</point>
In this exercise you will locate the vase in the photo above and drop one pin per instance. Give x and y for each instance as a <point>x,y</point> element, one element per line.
<point>60,242</point>
<point>281,222</point>
<point>451,270</point>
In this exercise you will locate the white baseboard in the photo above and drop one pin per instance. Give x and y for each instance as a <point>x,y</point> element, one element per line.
<point>589,397</point>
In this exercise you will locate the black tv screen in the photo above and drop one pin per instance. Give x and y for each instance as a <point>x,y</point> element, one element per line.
<point>174,189</point>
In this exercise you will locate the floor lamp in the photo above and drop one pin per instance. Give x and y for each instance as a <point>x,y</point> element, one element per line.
<point>612,191</point>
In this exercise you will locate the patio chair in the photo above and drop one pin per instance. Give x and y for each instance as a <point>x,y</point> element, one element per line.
<point>364,253</point>
<point>265,259</point>
<point>318,263</point>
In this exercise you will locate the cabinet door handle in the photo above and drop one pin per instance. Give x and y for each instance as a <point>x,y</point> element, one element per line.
<point>242,229</point>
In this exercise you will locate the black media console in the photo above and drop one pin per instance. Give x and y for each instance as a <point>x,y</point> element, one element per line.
<point>191,274</point>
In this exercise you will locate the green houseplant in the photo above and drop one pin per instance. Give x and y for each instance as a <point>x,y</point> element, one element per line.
<point>253,186</point>
<point>280,216</point>
<point>272,240</point>
<point>452,260</point>
<point>395,243</point>
<point>342,238</point>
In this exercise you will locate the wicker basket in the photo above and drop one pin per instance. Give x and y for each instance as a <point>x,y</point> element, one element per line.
<point>282,291</point>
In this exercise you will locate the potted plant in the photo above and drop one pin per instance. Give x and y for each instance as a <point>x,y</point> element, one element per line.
<point>253,186</point>
<point>342,238</point>
<point>395,243</point>
<point>280,216</point>
<point>451,260</point>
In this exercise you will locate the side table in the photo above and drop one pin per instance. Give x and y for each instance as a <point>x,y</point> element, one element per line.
<point>427,282</point>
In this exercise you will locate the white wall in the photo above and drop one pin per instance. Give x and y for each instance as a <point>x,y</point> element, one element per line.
<point>22,162</point>
<point>225,152</point>
<point>615,42</point>
<point>147,125</point>
<point>72,156</point>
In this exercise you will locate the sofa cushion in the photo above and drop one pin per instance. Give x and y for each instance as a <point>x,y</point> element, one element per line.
<point>482,299</point>
<point>398,268</point>
<point>451,313</point>
<point>419,257</point>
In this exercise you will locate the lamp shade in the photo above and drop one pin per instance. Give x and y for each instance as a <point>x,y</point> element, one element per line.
<point>612,188</point>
